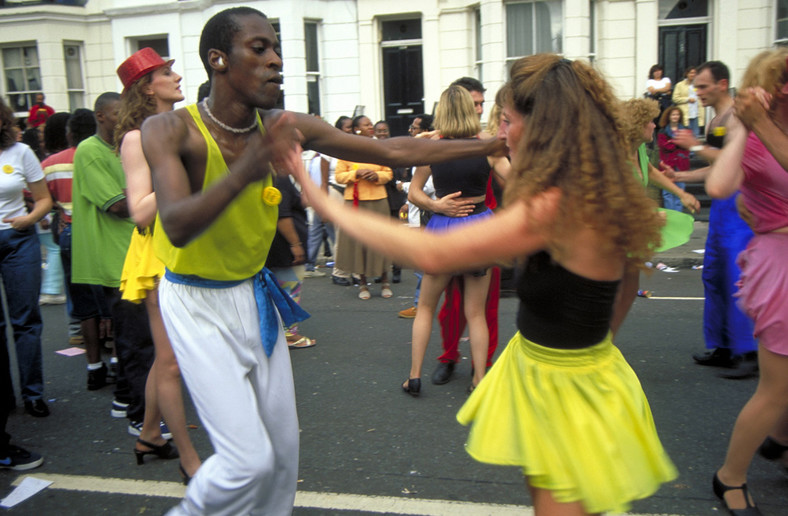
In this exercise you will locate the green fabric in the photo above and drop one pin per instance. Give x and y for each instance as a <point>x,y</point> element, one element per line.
<point>643,162</point>
<point>100,239</point>
<point>236,244</point>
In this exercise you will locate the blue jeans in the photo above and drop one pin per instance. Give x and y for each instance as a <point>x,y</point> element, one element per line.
<point>417,293</point>
<point>670,201</point>
<point>317,229</point>
<point>20,269</point>
<point>52,281</point>
<point>693,124</point>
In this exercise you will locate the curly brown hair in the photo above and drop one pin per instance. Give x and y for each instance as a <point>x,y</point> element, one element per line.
<point>578,146</point>
<point>7,133</point>
<point>664,120</point>
<point>636,113</point>
<point>767,70</point>
<point>135,107</point>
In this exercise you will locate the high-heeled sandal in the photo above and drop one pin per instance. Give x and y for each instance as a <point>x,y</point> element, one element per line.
<point>164,451</point>
<point>184,476</point>
<point>720,489</point>
<point>413,388</point>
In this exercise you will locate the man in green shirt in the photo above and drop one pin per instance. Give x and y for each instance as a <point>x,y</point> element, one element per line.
<point>101,234</point>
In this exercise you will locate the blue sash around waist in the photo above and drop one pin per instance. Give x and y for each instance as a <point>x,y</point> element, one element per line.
<point>268,295</point>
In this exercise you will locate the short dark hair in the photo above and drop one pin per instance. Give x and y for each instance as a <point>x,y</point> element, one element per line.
<point>380,122</point>
<point>82,125</point>
<point>7,122</point>
<point>426,121</point>
<point>357,121</point>
<point>470,84</point>
<point>341,120</point>
<point>717,69</point>
<point>32,138</point>
<point>689,69</point>
<point>219,31</point>
<point>104,99</point>
<point>654,69</point>
<point>55,132</point>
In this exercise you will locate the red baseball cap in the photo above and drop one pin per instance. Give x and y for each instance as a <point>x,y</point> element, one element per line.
<point>140,63</point>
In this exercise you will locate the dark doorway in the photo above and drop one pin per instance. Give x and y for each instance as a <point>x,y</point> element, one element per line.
<point>403,86</point>
<point>681,46</point>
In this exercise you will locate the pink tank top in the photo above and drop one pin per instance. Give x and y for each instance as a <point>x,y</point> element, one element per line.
<point>765,187</point>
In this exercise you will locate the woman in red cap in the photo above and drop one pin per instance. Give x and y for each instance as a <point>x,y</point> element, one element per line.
<point>150,86</point>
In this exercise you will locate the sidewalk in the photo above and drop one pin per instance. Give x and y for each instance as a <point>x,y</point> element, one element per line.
<point>684,255</point>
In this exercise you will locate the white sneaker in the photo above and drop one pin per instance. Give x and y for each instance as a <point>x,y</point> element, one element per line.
<point>51,299</point>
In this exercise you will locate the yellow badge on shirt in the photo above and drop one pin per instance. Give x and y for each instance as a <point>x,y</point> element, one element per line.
<point>271,196</point>
<point>8,169</point>
<point>719,131</point>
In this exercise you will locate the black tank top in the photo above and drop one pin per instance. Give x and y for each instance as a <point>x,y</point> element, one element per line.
<point>468,176</point>
<point>718,125</point>
<point>560,309</point>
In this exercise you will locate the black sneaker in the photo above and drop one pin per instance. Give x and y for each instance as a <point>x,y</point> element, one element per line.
<point>442,373</point>
<point>20,459</point>
<point>718,357</point>
<point>97,378</point>
<point>37,408</point>
<point>119,408</point>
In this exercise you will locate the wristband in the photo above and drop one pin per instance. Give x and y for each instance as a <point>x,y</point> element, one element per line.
<point>697,148</point>
<point>297,244</point>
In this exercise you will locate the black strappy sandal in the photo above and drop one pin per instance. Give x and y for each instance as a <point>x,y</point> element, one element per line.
<point>720,489</point>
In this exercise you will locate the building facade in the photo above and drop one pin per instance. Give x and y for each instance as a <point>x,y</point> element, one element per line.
<point>388,60</point>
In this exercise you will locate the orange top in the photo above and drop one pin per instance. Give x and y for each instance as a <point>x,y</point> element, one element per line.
<point>367,190</point>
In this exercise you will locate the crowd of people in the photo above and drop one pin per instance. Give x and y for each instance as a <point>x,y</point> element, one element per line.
<point>205,252</point>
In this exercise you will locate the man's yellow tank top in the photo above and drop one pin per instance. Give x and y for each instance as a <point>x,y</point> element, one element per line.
<point>236,245</point>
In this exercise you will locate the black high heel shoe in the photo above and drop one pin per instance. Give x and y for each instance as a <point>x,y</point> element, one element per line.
<point>164,451</point>
<point>413,388</point>
<point>185,476</point>
<point>720,489</point>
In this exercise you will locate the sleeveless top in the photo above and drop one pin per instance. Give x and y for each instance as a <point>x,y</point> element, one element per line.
<point>468,176</point>
<point>765,187</point>
<point>560,309</point>
<point>236,244</point>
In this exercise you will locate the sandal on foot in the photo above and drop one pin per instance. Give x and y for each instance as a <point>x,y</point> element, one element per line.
<point>184,476</point>
<point>412,387</point>
<point>385,291</point>
<point>364,294</point>
<point>164,451</point>
<point>720,489</point>
<point>303,342</point>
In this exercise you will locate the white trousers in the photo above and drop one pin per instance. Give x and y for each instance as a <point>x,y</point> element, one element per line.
<point>245,400</point>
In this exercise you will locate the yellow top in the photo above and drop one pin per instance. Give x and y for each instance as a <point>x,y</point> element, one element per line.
<point>367,190</point>
<point>236,244</point>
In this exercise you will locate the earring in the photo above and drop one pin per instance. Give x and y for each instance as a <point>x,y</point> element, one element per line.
<point>220,61</point>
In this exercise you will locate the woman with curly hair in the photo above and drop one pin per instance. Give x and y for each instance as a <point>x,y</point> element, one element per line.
<point>150,87</point>
<point>746,165</point>
<point>577,218</point>
<point>638,116</point>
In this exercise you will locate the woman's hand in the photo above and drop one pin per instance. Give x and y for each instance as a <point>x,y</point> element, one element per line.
<point>20,223</point>
<point>690,202</point>
<point>451,206</point>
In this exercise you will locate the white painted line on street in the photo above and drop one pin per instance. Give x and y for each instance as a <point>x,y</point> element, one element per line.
<point>678,298</point>
<point>326,501</point>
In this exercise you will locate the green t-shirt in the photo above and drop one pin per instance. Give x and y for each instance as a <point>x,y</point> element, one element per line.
<point>100,239</point>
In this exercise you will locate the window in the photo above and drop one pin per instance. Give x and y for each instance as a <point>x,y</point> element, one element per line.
<point>478,60</point>
<point>75,85</point>
<point>673,9</point>
<point>280,103</point>
<point>533,27</point>
<point>22,77</point>
<point>157,43</point>
<point>312,68</point>
<point>782,22</point>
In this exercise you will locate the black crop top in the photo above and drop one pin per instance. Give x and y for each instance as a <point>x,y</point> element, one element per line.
<point>560,309</point>
<point>468,176</point>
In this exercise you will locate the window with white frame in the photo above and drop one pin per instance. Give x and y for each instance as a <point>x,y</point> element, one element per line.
<point>75,83</point>
<point>781,32</point>
<point>280,102</point>
<point>158,43</point>
<point>312,67</point>
<point>478,60</point>
<point>533,27</point>
<point>22,77</point>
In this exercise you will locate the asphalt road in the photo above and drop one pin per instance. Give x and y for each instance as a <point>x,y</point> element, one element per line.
<point>360,435</point>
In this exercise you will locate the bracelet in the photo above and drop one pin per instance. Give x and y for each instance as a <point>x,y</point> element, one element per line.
<point>697,148</point>
<point>297,244</point>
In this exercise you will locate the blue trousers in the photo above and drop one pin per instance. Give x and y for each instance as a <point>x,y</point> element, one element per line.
<point>52,281</point>
<point>317,231</point>
<point>724,325</point>
<point>20,269</point>
<point>672,202</point>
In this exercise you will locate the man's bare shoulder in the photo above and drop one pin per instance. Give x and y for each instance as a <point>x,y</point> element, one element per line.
<point>170,123</point>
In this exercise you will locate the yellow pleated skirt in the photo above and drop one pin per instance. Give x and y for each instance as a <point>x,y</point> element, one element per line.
<point>141,269</point>
<point>576,421</point>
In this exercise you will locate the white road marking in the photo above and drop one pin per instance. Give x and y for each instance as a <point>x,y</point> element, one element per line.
<point>326,501</point>
<point>678,298</point>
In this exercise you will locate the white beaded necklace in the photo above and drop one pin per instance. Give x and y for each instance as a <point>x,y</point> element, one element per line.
<point>226,127</point>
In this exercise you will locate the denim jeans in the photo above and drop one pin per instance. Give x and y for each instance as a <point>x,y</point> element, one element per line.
<point>65,259</point>
<point>52,281</point>
<point>316,231</point>
<point>672,202</point>
<point>20,269</point>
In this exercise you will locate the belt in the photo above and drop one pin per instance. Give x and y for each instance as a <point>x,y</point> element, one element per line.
<point>268,295</point>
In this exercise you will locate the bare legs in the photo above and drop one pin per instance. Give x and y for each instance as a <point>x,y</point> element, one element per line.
<point>164,386</point>
<point>474,299</point>
<point>759,417</point>
<point>545,504</point>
